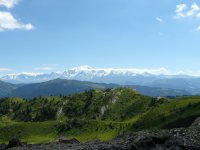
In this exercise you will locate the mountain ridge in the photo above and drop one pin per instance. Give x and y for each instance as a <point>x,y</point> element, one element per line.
<point>159,78</point>
<point>87,73</point>
<point>65,87</point>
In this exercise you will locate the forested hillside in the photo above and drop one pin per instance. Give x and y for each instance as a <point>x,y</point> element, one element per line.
<point>93,114</point>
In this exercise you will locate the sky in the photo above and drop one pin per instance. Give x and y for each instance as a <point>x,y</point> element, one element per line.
<point>53,35</point>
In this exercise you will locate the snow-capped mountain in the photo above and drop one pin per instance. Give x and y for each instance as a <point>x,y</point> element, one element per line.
<point>26,77</point>
<point>145,77</point>
<point>90,72</point>
<point>85,73</point>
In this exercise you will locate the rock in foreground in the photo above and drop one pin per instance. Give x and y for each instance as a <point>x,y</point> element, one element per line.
<point>175,139</point>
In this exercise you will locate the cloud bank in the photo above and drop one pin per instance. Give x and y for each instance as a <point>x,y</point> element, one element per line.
<point>44,68</point>
<point>5,69</point>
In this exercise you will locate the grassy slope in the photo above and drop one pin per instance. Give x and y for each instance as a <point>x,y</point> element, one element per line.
<point>126,110</point>
<point>31,132</point>
<point>168,112</point>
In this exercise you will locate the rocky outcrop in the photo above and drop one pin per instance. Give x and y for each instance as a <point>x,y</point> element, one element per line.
<point>14,143</point>
<point>196,122</point>
<point>175,139</point>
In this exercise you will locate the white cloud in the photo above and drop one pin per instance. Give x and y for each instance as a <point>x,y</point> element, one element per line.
<point>9,22</point>
<point>44,68</point>
<point>8,3</point>
<point>5,69</point>
<point>159,19</point>
<point>194,8</point>
<point>180,8</point>
<point>183,11</point>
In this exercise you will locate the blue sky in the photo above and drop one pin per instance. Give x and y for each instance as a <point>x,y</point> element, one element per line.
<point>53,35</point>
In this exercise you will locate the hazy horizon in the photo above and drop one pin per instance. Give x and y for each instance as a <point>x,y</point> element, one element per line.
<point>86,68</point>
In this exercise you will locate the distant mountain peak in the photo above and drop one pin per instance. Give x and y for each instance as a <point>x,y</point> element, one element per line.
<point>129,71</point>
<point>26,73</point>
<point>88,73</point>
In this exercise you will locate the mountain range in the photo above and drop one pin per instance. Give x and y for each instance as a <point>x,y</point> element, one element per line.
<point>65,87</point>
<point>159,78</point>
<point>100,75</point>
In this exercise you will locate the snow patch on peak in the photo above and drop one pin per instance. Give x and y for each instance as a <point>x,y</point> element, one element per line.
<point>85,73</point>
<point>124,71</point>
<point>26,73</point>
<point>28,77</point>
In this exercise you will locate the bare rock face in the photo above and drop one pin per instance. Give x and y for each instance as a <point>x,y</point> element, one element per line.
<point>196,122</point>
